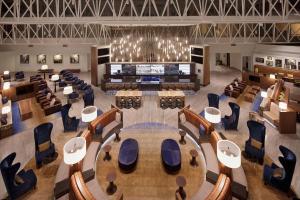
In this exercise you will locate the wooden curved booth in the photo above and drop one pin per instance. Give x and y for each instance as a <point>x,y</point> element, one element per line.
<point>215,169</point>
<point>84,181</point>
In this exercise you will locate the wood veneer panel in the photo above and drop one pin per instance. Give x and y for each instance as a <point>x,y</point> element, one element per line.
<point>206,66</point>
<point>94,66</point>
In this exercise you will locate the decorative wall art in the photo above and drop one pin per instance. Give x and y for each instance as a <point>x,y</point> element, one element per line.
<point>74,59</point>
<point>278,63</point>
<point>58,59</point>
<point>259,60</point>
<point>41,59</point>
<point>269,63</point>
<point>290,64</point>
<point>24,59</point>
<point>269,58</point>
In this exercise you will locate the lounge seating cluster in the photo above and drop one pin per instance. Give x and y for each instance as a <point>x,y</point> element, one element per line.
<point>235,88</point>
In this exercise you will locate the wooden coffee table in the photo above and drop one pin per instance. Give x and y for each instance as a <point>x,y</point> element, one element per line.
<point>25,109</point>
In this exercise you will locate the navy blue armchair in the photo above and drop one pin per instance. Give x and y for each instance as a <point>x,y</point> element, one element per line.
<point>281,177</point>
<point>255,145</point>
<point>88,98</point>
<point>16,183</point>
<point>44,147</point>
<point>213,100</point>
<point>70,124</point>
<point>231,122</point>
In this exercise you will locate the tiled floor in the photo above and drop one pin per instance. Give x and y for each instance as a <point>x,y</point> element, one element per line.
<point>23,143</point>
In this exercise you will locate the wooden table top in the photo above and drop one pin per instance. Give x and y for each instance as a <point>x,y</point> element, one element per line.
<point>174,93</point>
<point>133,93</point>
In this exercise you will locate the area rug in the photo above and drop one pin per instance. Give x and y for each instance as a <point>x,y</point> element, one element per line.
<point>18,125</point>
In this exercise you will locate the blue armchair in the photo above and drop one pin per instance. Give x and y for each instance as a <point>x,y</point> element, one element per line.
<point>213,100</point>
<point>44,147</point>
<point>16,183</point>
<point>231,122</point>
<point>255,145</point>
<point>70,124</point>
<point>88,98</point>
<point>281,177</point>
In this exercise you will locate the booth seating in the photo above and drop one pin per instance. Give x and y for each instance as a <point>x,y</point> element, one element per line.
<point>209,149</point>
<point>93,147</point>
<point>51,106</point>
<point>192,123</point>
<point>108,123</point>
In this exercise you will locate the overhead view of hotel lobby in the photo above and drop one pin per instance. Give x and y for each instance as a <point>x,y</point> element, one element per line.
<point>154,100</point>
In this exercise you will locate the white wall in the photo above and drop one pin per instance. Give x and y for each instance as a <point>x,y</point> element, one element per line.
<point>236,61</point>
<point>10,57</point>
<point>241,49</point>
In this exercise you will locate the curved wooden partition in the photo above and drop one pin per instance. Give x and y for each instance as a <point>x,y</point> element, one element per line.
<point>217,173</point>
<point>107,120</point>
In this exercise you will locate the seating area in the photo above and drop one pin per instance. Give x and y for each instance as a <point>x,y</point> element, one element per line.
<point>150,99</point>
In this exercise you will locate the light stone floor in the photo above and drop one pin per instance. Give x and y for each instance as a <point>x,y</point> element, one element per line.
<point>23,143</point>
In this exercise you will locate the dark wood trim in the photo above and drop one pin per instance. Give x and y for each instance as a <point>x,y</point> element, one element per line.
<point>94,66</point>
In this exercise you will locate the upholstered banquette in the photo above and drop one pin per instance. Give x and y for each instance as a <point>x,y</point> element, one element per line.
<point>209,148</point>
<point>194,124</point>
<point>93,147</point>
<point>108,123</point>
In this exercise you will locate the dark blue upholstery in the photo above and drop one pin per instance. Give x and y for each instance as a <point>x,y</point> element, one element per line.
<point>42,134</point>
<point>73,95</point>
<point>257,132</point>
<point>288,162</point>
<point>88,98</point>
<point>62,84</point>
<point>19,75</point>
<point>231,122</point>
<point>213,100</point>
<point>128,154</point>
<point>171,155</point>
<point>9,171</point>
<point>70,124</point>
